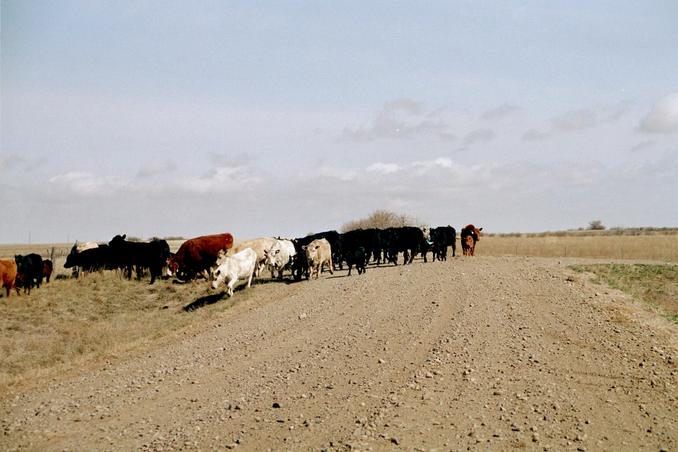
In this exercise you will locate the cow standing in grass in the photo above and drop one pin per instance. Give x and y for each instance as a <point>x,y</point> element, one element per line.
<point>29,271</point>
<point>151,255</point>
<point>8,275</point>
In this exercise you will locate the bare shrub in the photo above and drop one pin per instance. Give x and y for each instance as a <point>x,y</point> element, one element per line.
<point>596,225</point>
<point>380,219</point>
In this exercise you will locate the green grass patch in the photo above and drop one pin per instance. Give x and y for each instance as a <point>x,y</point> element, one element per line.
<point>656,285</point>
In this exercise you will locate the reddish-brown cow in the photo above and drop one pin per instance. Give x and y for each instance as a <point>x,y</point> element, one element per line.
<point>8,275</point>
<point>469,236</point>
<point>198,254</point>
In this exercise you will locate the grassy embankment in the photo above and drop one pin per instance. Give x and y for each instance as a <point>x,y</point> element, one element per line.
<point>656,285</point>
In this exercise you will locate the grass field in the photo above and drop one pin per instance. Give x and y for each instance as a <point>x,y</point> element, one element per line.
<point>658,247</point>
<point>656,285</point>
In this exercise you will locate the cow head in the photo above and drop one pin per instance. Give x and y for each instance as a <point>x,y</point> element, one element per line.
<point>219,274</point>
<point>477,232</point>
<point>117,240</point>
<point>172,265</point>
<point>272,257</point>
<point>427,233</point>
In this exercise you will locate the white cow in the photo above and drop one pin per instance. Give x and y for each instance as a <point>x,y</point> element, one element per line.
<point>238,267</point>
<point>280,255</point>
<point>319,253</point>
<point>259,246</point>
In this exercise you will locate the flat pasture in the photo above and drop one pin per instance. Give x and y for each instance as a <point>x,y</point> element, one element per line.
<point>655,247</point>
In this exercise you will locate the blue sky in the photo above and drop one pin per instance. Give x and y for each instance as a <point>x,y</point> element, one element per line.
<point>282,118</point>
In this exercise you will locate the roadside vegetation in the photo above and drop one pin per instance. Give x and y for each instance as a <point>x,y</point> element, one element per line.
<point>656,285</point>
<point>69,324</point>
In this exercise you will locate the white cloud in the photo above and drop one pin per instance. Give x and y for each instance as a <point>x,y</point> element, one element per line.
<point>663,118</point>
<point>337,173</point>
<point>402,119</point>
<point>384,168</point>
<point>575,120</point>
<point>156,168</point>
<point>643,146</point>
<point>440,162</point>
<point>535,135</point>
<point>87,184</point>
<point>477,136</point>
<point>500,112</point>
<point>233,179</point>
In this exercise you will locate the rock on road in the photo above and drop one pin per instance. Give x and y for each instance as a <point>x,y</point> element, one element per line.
<point>486,353</point>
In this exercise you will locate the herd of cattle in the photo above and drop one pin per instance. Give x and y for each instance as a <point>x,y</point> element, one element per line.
<point>215,257</point>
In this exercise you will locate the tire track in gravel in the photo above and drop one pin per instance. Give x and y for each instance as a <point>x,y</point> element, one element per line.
<point>487,353</point>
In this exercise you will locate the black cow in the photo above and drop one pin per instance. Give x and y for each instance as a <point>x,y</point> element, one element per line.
<point>368,239</point>
<point>91,260</point>
<point>142,255</point>
<point>28,270</point>
<point>300,260</point>
<point>407,239</point>
<point>358,257</point>
<point>441,238</point>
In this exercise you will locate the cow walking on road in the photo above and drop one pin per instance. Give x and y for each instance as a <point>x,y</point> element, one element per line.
<point>469,236</point>
<point>238,267</point>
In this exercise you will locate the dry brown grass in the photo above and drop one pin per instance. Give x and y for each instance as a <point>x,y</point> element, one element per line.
<point>68,323</point>
<point>653,247</point>
<point>656,285</point>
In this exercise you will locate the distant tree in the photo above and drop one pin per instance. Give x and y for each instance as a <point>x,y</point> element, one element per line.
<point>381,219</point>
<point>596,225</point>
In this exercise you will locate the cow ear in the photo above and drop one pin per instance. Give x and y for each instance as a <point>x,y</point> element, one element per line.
<point>124,236</point>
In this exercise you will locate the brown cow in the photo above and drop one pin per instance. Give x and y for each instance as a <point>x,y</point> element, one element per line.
<point>198,255</point>
<point>8,275</point>
<point>47,269</point>
<point>469,236</point>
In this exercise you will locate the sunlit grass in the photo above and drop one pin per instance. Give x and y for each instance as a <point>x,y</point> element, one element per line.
<point>656,285</point>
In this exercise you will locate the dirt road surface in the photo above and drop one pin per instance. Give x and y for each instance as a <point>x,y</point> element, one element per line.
<point>481,353</point>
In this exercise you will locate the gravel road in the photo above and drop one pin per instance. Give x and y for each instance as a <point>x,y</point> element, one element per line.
<point>486,352</point>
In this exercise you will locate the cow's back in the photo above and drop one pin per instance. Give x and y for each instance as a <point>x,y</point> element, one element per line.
<point>258,245</point>
<point>8,272</point>
<point>201,252</point>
